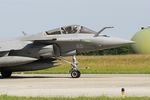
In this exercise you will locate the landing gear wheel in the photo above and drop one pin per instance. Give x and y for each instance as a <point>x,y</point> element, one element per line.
<point>75,74</point>
<point>6,74</point>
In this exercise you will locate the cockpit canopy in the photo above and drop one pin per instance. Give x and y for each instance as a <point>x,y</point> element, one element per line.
<point>72,29</point>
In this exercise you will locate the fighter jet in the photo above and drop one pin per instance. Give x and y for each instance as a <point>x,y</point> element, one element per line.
<point>43,50</point>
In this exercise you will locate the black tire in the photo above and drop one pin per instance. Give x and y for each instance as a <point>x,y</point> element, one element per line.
<point>75,74</point>
<point>6,74</point>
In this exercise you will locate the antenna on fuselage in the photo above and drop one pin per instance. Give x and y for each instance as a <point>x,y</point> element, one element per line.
<point>97,34</point>
<point>24,33</point>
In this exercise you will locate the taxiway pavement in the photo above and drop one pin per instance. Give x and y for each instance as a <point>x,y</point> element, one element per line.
<point>53,85</point>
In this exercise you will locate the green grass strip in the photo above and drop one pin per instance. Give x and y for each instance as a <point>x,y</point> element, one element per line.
<point>5,97</point>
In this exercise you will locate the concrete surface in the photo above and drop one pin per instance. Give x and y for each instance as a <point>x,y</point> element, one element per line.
<point>88,85</point>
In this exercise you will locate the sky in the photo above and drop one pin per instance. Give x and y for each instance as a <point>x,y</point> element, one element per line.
<point>34,16</point>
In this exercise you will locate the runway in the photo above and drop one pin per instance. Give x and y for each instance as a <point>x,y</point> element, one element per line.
<point>53,85</point>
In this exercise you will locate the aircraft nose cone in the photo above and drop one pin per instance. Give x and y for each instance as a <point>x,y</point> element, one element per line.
<point>121,42</point>
<point>116,42</point>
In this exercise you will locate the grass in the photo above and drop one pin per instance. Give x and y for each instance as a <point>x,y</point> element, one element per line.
<point>113,64</point>
<point>5,97</point>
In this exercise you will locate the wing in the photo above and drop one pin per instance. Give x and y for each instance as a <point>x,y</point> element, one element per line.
<point>7,45</point>
<point>42,40</point>
<point>39,38</point>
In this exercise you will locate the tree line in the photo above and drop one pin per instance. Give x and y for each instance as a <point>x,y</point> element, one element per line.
<point>114,51</point>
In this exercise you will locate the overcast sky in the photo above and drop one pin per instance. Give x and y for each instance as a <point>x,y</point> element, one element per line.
<point>33,16</point>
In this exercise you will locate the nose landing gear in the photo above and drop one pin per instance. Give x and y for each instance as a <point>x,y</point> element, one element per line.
<point>75,73</point>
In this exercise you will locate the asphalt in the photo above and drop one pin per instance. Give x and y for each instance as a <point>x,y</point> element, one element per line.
<point>56,85</point>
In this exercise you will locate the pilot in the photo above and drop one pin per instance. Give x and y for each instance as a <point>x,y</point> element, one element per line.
<point>68,29</point>
<point>63,30</point>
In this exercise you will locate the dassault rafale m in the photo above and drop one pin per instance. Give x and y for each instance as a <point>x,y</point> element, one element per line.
<point>43,50</point>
